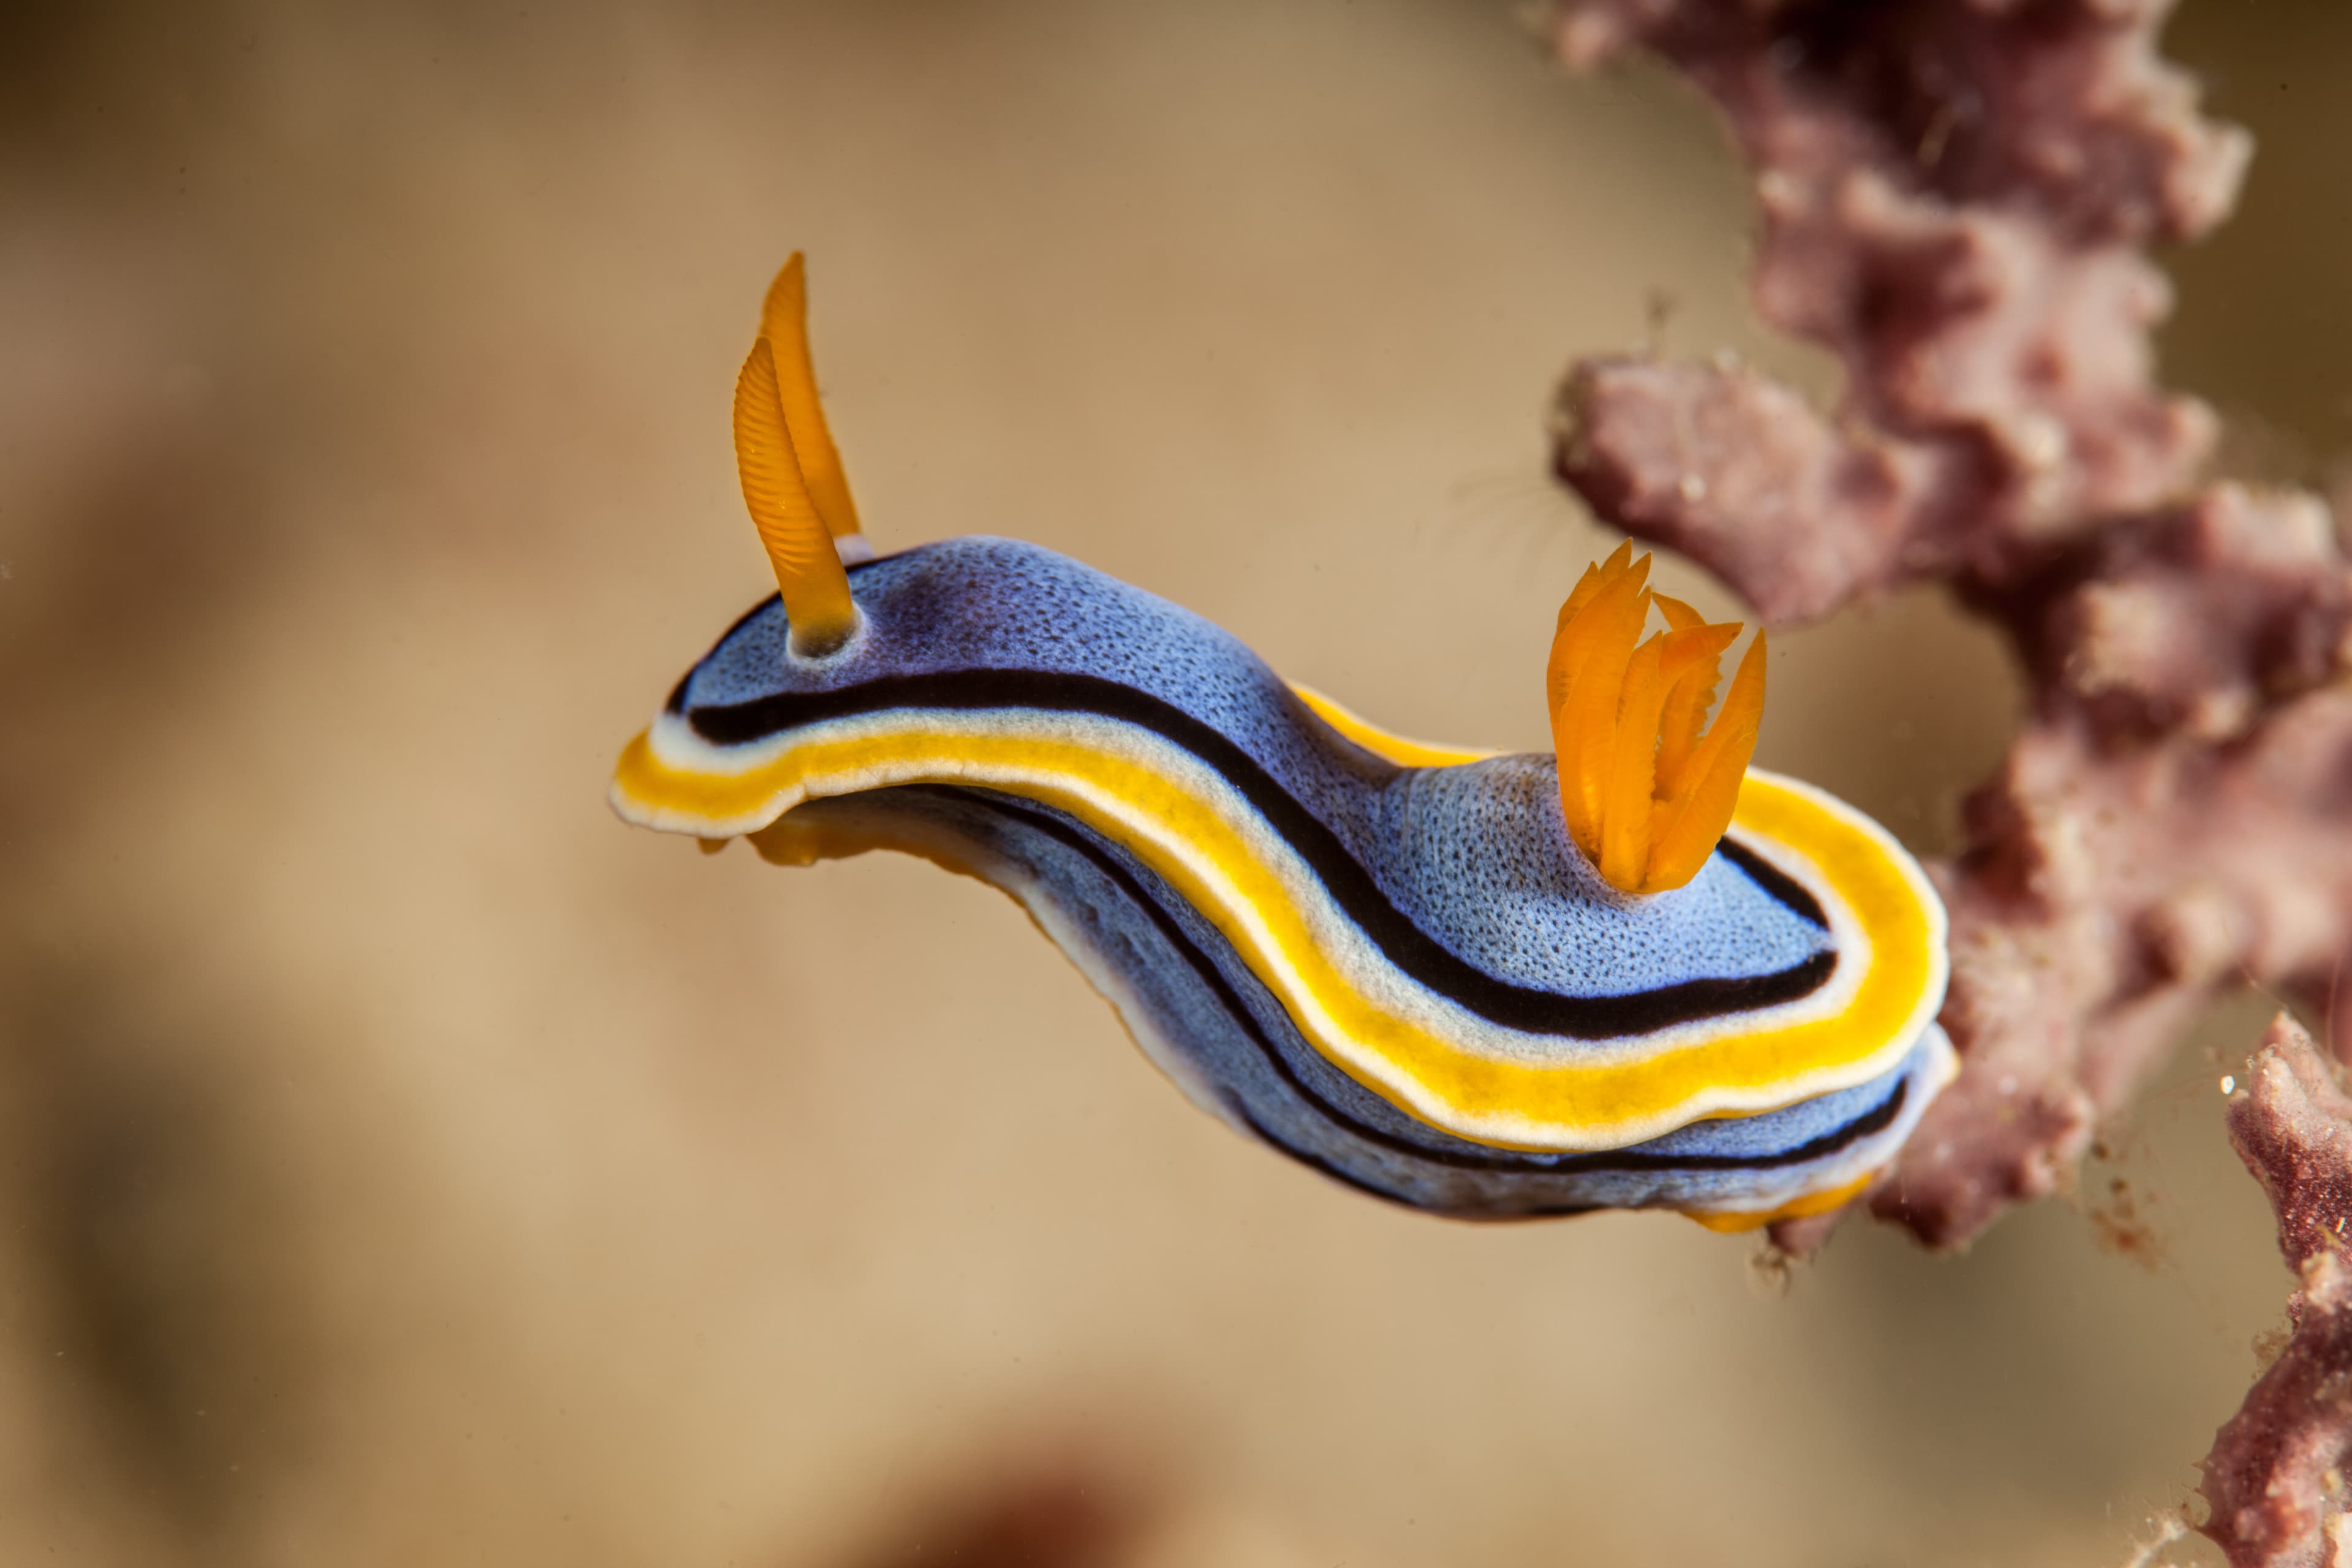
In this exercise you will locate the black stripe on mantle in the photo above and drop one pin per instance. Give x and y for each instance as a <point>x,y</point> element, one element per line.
<point>1458,1152</point>
<point>1529,1009</point>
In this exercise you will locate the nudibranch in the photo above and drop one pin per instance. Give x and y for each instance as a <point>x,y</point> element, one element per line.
<point>1638,974</point>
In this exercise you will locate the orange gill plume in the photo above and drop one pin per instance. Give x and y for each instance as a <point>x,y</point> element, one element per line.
<point>1646,795</point>
<point>793,482</point>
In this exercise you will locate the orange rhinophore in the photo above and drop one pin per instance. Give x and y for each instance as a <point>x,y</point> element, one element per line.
<point>783,321</point>
<point>791,477</point>
<point>1646,795</point>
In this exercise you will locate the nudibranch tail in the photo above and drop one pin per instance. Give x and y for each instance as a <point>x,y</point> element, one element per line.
<point>809,572</point>
<point>1647,796</point>
<point>783,321</point>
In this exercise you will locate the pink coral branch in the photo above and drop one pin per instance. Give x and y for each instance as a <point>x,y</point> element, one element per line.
<point>1954,197</point>
<point>2275,1481</point>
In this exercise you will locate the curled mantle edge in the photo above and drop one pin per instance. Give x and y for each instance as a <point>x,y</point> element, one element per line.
<point>1955,196</point>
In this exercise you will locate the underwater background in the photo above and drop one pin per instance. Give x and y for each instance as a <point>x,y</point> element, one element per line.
<point>400,1161</point>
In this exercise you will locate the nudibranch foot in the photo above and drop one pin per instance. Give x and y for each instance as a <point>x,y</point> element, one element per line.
<point>1207,1021</point>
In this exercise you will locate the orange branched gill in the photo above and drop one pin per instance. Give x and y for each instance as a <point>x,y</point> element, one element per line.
<point>1646,793</point>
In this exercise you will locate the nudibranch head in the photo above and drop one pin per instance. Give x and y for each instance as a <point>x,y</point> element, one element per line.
<point>1647,796</point>
<point>1399,964</point>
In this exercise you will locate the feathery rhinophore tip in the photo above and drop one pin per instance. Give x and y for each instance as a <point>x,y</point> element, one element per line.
<point>809,572</point>
<point>783,321</point>
<point>1646,795</point>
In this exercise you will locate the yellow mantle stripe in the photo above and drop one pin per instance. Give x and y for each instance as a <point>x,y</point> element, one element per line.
<point>1382,742</point>
<point>1510,1103</point>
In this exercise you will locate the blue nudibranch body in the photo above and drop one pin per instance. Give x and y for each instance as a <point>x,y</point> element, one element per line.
<point>1410,967</point>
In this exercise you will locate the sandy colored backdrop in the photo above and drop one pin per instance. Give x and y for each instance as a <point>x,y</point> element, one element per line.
<point>402,1163</point>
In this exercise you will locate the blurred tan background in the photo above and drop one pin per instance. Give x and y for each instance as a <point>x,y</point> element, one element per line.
<point>401,1162</point>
